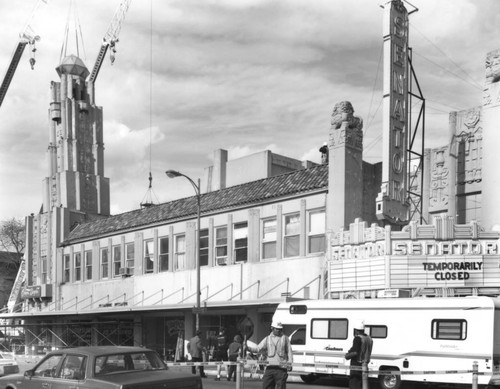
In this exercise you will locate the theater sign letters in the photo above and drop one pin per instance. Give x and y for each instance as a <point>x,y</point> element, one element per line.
<point>441,255</point>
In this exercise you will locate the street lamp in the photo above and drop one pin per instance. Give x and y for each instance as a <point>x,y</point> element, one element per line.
<point>174,174</point>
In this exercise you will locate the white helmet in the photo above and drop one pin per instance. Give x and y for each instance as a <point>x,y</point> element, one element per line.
<point>358,324</point>
<point>277,324</point>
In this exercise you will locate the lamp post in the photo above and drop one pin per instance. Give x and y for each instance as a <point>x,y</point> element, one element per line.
<point>174,174</point>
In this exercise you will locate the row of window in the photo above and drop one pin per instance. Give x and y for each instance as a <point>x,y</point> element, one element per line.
<point>81,266</point>
<point>443,329</point>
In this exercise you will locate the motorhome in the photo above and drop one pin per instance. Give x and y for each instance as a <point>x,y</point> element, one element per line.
<point>435,340</point>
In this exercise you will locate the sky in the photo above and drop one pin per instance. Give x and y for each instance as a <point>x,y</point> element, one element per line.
<point>194,76</point>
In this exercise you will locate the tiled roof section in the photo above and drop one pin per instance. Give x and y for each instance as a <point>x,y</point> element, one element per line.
<point>301,181</point>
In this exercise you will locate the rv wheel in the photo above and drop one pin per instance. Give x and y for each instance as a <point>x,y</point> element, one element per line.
<point>389,381</point>
<point>308,378</point>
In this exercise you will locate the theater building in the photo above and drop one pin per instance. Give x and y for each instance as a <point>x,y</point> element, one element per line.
<point>271,227</point>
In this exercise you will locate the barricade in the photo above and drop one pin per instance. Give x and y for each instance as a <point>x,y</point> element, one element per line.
<point>241,363</point>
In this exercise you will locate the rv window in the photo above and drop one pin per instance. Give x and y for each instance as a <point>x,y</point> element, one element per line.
<point>298,309</point>
<point>449,329</point>
<point>379,332</point>
<point>299,336</point>
<point>329,329</point>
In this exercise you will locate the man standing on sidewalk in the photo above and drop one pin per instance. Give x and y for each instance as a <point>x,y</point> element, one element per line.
<point>196,349</point>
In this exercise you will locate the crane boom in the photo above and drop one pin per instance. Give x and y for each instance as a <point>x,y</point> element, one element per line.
<point>110,38</point>
<point>11,69</point>
<point>27,36</point>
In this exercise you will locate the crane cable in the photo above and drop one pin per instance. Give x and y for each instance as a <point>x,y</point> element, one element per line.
<point>78,29</point>
<point>150,197</point>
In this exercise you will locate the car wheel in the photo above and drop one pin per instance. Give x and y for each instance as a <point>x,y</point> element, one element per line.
<point>389,381</point>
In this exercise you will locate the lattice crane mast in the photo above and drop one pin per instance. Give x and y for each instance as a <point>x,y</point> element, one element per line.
<point>110,38</point>
<point>26,37</point>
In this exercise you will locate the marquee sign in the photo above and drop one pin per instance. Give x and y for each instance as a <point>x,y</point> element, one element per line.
<point>416,248</point>
<point>392,202</point>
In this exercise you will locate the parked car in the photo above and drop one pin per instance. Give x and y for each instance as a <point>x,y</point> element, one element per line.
<point>8,365</point>
<point>105,367</point>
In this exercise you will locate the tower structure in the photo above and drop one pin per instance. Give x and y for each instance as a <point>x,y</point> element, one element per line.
<point>490,217</point>
<point>75,188</point>
<point>392,204</point>
<point>345,195</point>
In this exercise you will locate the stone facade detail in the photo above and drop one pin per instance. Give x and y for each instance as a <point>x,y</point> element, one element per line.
<point>439,180</point>
<point>345,127</point>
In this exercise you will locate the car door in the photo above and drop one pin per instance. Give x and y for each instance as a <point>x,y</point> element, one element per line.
<point>43,375</point>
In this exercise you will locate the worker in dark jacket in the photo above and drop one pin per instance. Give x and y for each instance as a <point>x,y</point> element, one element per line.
<point>220,351</point>
<point>359,353</point>
<point>196,349</point>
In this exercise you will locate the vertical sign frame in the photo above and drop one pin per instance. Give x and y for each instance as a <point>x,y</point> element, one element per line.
<point>392,202</point>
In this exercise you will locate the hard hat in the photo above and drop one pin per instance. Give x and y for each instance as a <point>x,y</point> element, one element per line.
<point>277,324</point>
<point>358,324</point>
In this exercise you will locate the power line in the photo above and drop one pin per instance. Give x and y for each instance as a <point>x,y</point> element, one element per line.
<point>373,89</point>
<point>471,80</point>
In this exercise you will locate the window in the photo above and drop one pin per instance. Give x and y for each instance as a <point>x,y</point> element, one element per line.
<point>292,235</point>
<point>298,337</point>
<point>204,247</point>
<point>48,367</point>
<point>88,265</point>
<point>298,309</point>
<point>180,252</point>
<point>44,269</point>
<point>240,236</point>
<point>163,254</point>
<point>449,329</point>
<point>73,367</point>
<point>269,238</point>
<point>117,260</point>
<point>148,256</point>
<point>329,329</point>
<point>130,257</point>
<point>221,245</point>
<point>316,236</point>
<point>67,262</point>
<point>78,266</point>
<point>379,332</point>
<point>104,263</point>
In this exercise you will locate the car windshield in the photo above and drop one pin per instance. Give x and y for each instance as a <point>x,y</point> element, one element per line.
<point>126,362</point>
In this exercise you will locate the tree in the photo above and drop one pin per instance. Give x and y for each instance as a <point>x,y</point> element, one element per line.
<point>12,240</point>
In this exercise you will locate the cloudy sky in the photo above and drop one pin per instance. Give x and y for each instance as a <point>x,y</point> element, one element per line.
<point>193,76</point>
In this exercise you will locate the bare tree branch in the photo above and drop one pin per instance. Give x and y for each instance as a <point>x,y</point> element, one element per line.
<point>12,240</point>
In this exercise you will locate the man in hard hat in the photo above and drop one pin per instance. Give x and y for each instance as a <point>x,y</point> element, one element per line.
<point>359,353</point>
<point>278,352</point>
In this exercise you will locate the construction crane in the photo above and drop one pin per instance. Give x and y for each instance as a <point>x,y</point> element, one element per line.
<point>111,38</point>
<point>26,37</point>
